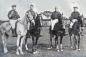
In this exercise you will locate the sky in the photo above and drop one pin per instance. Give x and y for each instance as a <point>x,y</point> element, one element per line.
<point>65,6</point>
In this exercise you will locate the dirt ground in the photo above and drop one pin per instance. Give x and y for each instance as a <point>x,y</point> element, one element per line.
<point>43,44</point>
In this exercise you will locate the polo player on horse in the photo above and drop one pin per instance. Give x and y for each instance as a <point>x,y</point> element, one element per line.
<point>13,17</point>
<point>74,28</point>
<point>56,17</point>
<point>56,29</point>
<point>31,16</point>
<point>75,15</point>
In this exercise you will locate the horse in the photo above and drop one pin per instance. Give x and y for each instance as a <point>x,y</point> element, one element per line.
<point>58,31</point>
<point>21,30</point>
<point>75,31</point>
<point>5,33</point>
<point>34,32</point>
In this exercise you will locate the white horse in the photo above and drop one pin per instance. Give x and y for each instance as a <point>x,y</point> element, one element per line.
<point>4,32</point>
<point>21,29</point>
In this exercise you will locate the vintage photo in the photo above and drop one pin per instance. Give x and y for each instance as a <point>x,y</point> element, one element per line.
<point>42,28</point>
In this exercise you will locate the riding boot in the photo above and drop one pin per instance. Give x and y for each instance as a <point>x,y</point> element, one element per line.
<point>63,31</point>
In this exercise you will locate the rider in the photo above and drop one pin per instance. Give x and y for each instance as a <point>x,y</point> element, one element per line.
<point>75,15</point>
<point>31,16</point>
<point>13,17</point>
<point>56,17</point>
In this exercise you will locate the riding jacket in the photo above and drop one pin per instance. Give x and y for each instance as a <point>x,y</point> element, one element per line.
<point>13,15</point>
<point>31,14</point>
<point>56,15</point>
<point>75,15</point>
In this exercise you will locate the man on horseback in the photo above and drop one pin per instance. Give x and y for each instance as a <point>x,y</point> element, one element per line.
<point>13,17</point>
<point>31,14</point>
<point>56,17</point>
<point>75,15</point>
<point>74,28</point>
<point>56,29</point>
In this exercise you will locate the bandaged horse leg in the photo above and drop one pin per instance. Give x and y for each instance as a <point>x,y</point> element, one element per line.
<point>18,44</point>
<point>21,44</point>
<point>26,40</point>
<point>4,43</point>
<point>26,47</point>
<point>61,37</point>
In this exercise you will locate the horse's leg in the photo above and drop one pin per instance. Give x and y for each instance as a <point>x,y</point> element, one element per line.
<point>74,39</point>
<point>26,43</point>
<point>32,43</point>
<point>57,46</point>
<point>21,44</point>
<point>61,37</point>
<point>81,31</point>
<point>35,45</point>
<point>4,43</point>
<point>50,45</point>
<point>70,41</point>
<point>36,40</point>
<point>78,42</point>
<point>55,41</point>
<point>18,44</point>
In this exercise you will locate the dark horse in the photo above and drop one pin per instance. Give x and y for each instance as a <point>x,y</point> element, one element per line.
<point>58,31</point>
<point>75,31</point>
<point>34,33</point>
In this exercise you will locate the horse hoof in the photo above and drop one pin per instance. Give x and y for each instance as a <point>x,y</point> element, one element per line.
<point>17,53</point>
<point>50,48</point>
<point>62,50</point>
<point>22,53</point>
<point>58,50</point>
<point>71,47</point>
<point>78,49</point>
<point>35,52</point>
<point>27,49</point>
<point>5,51</point>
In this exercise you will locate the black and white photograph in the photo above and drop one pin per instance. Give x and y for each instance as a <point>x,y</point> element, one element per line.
<point>42,28</point>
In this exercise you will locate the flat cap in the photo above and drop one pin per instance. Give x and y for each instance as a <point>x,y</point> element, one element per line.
<point>75,7</point>
<point>13,5</point>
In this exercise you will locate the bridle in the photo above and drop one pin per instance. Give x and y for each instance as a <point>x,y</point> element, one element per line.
<point>28,20</point>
